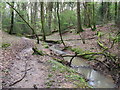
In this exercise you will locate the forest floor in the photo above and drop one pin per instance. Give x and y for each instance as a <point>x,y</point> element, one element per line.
<point>108,32</point>
<point>38,71</point>
<point>21,69</point>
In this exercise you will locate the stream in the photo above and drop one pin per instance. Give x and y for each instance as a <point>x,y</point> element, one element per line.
<point>96,79</point>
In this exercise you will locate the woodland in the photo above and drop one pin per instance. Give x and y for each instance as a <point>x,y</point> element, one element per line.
<point>60,44</point>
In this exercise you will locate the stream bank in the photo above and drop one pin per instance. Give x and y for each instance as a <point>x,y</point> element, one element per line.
<point>80,65</point>
<point>17,59</point>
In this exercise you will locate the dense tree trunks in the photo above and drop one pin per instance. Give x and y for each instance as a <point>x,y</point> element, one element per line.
<point>25,22</point>
<point>79,25</point>
<point>42,20</point>
<point>87,14</point>
<point>105,11</point>
<point>59,24</point>
<point>12,18</point>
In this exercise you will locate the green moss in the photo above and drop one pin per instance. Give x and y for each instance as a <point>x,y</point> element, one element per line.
<point>79,51</point>
<point>45,45</point>
<point>99,34</point>
<point>5,45</point>
<point>50,75</point>
<point>48,83</point>
<point>37,52</point>
<point>69,73</point>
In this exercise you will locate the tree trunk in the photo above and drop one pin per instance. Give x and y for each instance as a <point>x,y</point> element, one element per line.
<point>79,25</point>
<point>25,22</point>
<point>87,20</point>
<point>59,24</point>
<point>35,15</point>
<point>118,16</point>
<point>42,21</point>
<point>94,24</point>
<point>12,18</point>
<point>116,12</point>
<point>50,6</point>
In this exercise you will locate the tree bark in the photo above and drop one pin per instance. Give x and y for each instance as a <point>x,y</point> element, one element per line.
<point>12,18</point>
<point>94,24</point>
<point>79,25</point>
<point>50,6</point>
<point>35,15</point>
<point>25,22</point>
<point>42,20</point>
<point>59,24</point>
<point>115,12</point>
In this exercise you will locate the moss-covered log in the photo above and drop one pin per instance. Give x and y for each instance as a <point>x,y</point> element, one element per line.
<point>37,52</point>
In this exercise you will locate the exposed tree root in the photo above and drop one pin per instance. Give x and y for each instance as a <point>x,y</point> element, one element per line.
<point>22,77</point>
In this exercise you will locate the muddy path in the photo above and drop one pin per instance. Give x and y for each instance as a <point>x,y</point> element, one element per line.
<point>18,60</point>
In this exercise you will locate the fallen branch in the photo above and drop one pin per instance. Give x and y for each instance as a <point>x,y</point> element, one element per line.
<point>37,52</point>
<point>101,45</point>
<point>80,39</point>
<point>21,78</point>
<point>33,31</point>
<point>84,54</point>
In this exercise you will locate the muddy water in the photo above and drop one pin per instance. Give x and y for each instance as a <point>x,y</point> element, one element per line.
<point>96,79</point>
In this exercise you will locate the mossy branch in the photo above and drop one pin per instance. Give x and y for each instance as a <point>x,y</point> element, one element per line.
<point>37,52</point>
<point>83,54</point>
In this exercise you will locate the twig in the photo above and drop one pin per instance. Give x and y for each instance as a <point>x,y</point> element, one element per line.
<point>22,77</point>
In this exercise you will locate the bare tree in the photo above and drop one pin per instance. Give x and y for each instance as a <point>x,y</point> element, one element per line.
<point>59,24</point>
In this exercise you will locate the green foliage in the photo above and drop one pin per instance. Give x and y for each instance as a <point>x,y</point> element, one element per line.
<point>5,45</point>
<point>116,39</point>
<point>67,18</point>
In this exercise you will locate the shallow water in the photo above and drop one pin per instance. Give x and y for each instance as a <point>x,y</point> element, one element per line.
<point>96,79</point>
